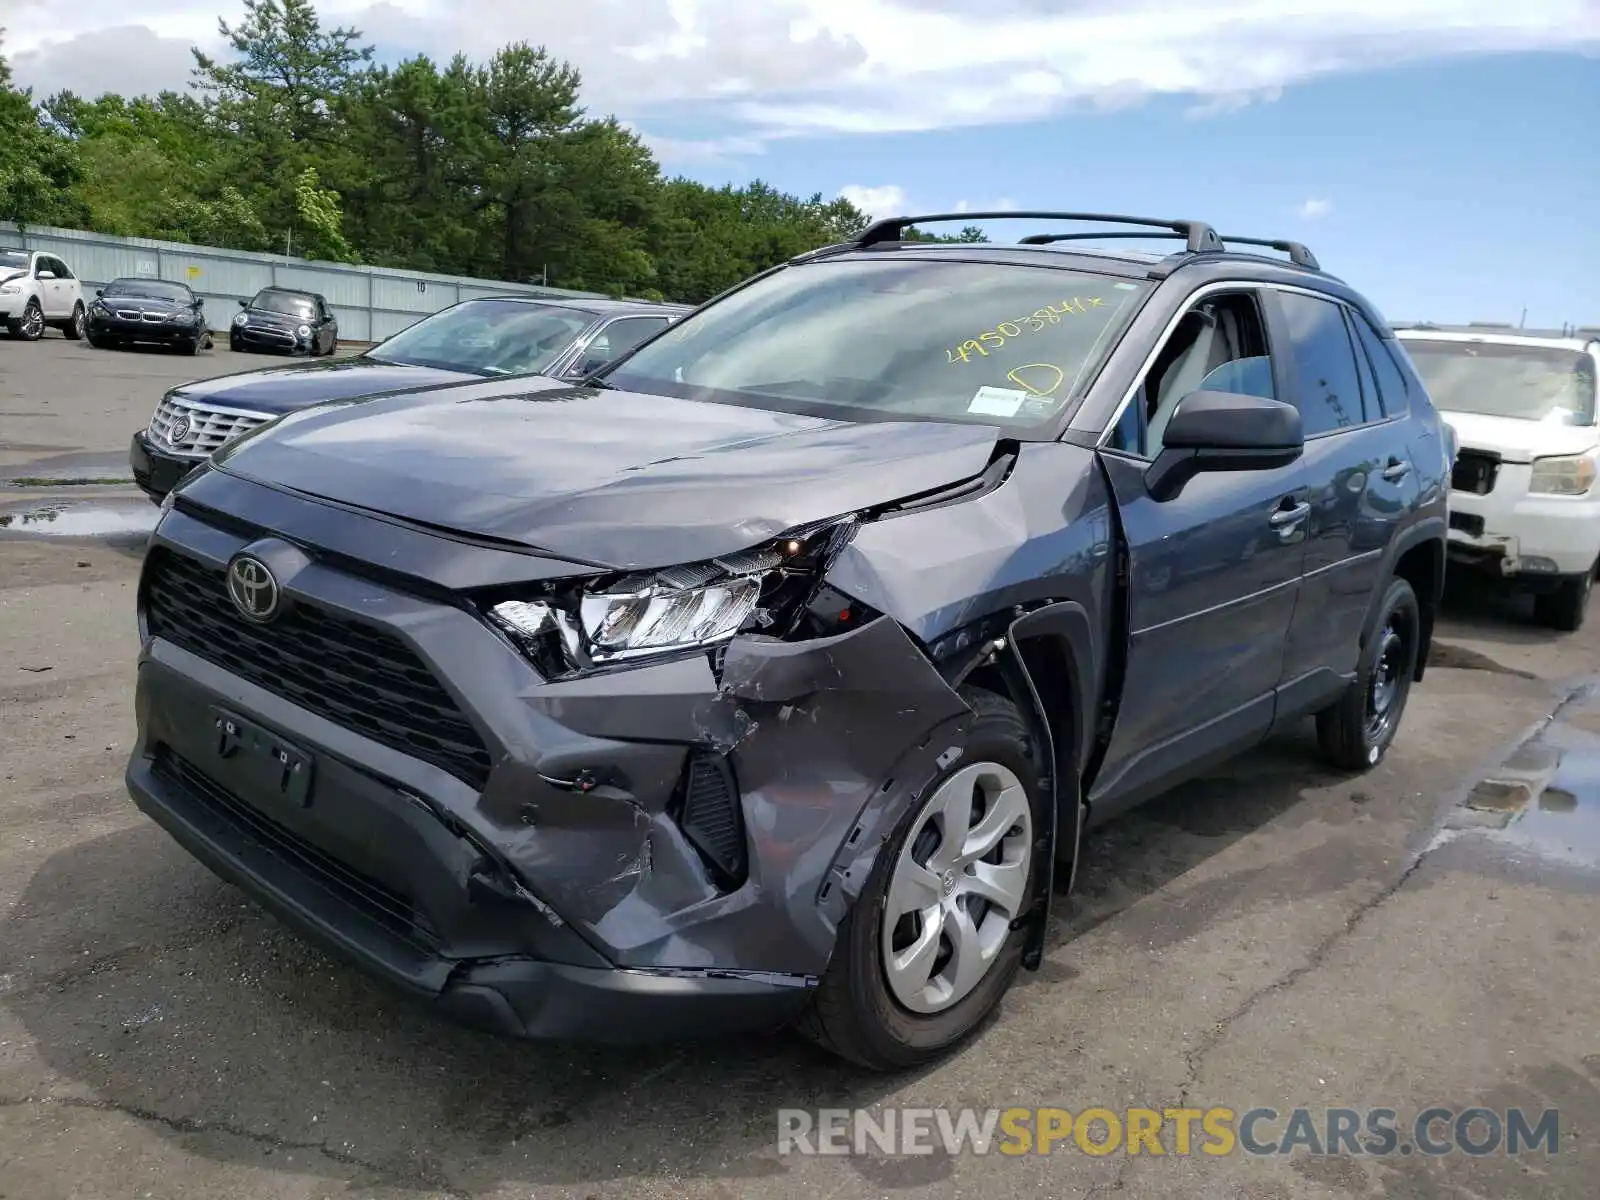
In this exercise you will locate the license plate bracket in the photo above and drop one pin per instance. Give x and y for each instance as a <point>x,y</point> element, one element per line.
<point>272,765</point>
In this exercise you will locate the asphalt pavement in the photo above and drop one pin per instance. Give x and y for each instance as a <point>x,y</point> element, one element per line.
<point>1274,935</point>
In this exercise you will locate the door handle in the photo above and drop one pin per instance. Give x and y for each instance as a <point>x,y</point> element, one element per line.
<point>1396,470</point>
<point>1285,517</point>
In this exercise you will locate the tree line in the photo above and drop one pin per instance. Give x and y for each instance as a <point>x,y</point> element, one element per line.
<point>299,142</point>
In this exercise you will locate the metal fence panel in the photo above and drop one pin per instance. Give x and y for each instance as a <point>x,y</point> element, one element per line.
<point>371,303</point>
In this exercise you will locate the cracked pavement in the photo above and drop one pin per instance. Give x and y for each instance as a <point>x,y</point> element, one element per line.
<point>1275,934</point>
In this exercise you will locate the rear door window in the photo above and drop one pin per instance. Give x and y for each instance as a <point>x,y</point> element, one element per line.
<point>1327,386</point>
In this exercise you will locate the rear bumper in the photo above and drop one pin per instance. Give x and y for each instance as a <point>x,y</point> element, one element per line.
<point>154,470</point>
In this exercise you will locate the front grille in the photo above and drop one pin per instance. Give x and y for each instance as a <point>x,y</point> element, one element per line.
<point>210,428</point>
<point>1470,523</point>
<point>352,673</point>
<point>147,318</point>
<point>266,334</point>
<point>1475,471</point>
<point>382,905</point>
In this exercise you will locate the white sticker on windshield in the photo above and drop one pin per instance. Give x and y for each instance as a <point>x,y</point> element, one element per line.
<point>997,402</point>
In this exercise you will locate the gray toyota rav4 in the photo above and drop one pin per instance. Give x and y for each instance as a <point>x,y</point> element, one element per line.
<point>773,674</point>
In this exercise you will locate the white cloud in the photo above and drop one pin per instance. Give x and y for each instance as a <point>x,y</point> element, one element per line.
<point>1314,208</point>
<point>886,200</point>
<point>841,66</point>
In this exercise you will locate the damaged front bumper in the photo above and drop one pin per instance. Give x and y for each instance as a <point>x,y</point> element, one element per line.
<point>659,851</point>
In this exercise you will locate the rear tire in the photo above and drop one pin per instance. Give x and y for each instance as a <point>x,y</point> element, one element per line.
<point>881,1004</point>
<point>1566,607</point>
<point>1357,731</point>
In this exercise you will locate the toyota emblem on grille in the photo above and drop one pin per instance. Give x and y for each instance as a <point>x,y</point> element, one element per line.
<point>178,430</point>
<point>252,588</point>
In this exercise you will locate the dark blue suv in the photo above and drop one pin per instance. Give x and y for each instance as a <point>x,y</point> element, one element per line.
<point>774,672</point>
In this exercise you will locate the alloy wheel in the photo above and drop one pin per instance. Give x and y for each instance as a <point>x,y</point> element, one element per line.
<point>33,322</point>
<point>959,882</point>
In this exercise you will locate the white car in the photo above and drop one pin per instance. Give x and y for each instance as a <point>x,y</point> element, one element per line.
<point>1524,506</point>
<point>38,290</point>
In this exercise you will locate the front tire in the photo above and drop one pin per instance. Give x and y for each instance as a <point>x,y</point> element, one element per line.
<point>932,943</point>
<point>30,326</point>
<point>1566,607</point>
<point>1357,731</point>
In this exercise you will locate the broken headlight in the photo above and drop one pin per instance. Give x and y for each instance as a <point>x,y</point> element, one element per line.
<point>615,619</point>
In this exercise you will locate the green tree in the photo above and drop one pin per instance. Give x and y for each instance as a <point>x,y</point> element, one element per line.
<point>275,109</point>
<point>38,164</point>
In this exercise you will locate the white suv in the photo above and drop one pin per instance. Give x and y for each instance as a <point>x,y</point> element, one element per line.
<point>38,290</point>
<point>1524,506</point>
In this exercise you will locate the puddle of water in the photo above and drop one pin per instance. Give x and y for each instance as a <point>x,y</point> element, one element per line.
<point>1565,820</point>
<point>60,519</point>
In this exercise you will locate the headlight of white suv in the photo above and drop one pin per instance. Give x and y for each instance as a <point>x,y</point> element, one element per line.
<point>610,620</point>
<point>10,289</point>
<point>1566,475</point>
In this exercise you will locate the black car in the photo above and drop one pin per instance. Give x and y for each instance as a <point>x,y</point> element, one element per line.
<point>775,673</point>
<point>476,339</point>
<point>285,320</point>
<point>149,311</point>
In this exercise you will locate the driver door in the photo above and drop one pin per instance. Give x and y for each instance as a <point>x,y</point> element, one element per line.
<point>1213,572</point>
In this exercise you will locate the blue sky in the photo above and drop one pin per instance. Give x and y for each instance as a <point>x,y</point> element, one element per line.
<point>1440,155</point>
<point>1456,191</point>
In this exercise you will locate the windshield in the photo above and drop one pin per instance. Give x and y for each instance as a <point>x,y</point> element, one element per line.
<point>284,302</point>
<point>487,337</point>
<point>149,289</point>
<point>904,338</point>
<point>1531,383</point>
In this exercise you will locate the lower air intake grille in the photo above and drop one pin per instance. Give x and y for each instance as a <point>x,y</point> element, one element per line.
<point>711,816</point>
<point>379,904</point>
<point>354,674</point>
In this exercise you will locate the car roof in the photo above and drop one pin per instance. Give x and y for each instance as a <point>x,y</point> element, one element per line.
<point>288,291</point>
<point>1568,337</point>
<point>1206,255</point>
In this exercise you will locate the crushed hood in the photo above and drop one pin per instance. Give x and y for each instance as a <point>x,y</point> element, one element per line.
<point>278,390</point>
<point>612,478</point>
<point>1520,441</point>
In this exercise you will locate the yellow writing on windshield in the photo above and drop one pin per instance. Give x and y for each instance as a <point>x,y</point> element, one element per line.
<point>1037,379</point>
<point>1005,331</point>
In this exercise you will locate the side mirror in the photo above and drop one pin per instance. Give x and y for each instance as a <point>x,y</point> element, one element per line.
<point>1224,431</point>
<point>99,291</point>
<point>45,275</point>
<point>244,304</point>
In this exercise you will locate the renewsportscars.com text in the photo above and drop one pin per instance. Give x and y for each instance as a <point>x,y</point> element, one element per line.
<point>1216,1131</point>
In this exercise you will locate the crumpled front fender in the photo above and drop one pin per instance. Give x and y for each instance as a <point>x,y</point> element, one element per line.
<point>828,739</point>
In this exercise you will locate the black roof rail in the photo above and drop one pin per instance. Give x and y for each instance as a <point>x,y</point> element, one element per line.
<point>1297,252</point>
<point>1197,234</point>
<point>1044,239</point>
<point>820,251</point>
